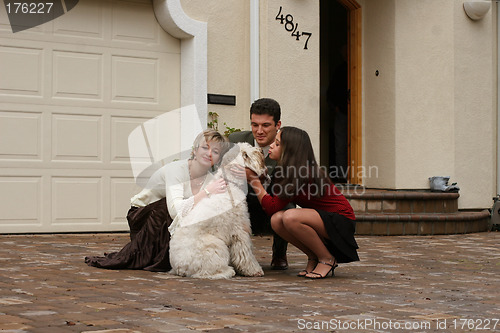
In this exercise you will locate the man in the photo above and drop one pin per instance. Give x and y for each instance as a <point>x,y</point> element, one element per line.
<point>265,114</point>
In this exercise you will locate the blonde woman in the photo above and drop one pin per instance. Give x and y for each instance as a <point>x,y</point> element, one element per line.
<point>173,190</point>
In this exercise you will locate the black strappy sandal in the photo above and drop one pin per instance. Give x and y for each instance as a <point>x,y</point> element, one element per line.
<point>319,276</point>
<point>304,272</point>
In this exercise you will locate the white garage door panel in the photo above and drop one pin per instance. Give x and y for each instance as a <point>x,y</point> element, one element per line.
<point>22,192</point>
<point>20,135</point>
<point>71,92</point>
<point>121,127</point>
<point>64,201</point>
<point>77,137</point>
<point>135,79</point>
<point>56,140</point>
<point>77,200</point>
<point>120,203</point>
<point>77,75</point>
<point>83,21</point>
<point>23,68</point>
<point>99,77</point>
<point>100,23</point>
<point>126,12</point>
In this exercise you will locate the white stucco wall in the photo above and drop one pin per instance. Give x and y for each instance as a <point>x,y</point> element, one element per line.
<point>290,73</point>
<point>475,103</point>
<point>379,94</point>
<point>228,49</point>
<point>432,109</point>
<point>424,91</point>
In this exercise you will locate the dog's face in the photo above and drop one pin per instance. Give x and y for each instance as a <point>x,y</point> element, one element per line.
<point>253,158</point>
<point>245,155</point>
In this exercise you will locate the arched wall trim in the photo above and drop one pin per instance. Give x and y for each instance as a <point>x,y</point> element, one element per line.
<point>193,36</point>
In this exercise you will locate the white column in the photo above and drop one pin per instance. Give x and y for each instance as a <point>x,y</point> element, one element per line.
<point>193,36</point>
<point>254,51</point>
<point>498,96</point>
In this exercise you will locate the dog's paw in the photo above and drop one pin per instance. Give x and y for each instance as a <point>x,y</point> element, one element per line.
<point>254,273</point>
<point>258,274</point>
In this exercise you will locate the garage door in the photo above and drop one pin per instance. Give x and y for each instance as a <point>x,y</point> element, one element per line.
<point>71,92</point>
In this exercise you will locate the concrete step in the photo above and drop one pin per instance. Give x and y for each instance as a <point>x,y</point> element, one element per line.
<point>421,224</point>
<point>392,212</point>
<point>401,202</point>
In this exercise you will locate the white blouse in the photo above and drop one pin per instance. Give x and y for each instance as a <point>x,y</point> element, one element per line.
<point>172,181</point>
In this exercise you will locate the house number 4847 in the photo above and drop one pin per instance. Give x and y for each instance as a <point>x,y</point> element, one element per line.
<point>292,27</point>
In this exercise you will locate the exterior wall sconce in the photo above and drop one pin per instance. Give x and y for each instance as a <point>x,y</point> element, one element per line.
<point>477,9</point>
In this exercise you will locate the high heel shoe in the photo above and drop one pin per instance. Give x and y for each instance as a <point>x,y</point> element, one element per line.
<point>333,265</point>
<point>304,272</point>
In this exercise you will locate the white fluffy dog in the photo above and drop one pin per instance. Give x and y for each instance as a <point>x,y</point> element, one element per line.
<point>214,240</point>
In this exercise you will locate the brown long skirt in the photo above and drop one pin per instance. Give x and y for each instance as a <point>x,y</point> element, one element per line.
<point>149,241</point>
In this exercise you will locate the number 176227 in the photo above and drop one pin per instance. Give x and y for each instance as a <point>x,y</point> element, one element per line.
<point>29,8</point>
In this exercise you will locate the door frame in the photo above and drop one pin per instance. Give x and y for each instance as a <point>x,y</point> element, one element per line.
<point>355,152</point>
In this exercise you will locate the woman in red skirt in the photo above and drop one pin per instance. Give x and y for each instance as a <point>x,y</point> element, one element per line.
<point>323,228</point>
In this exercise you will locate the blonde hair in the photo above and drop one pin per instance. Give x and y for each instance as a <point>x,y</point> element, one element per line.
<point>210,135</point>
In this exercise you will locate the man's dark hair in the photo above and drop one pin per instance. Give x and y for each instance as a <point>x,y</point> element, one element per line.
<point>266,106</point>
